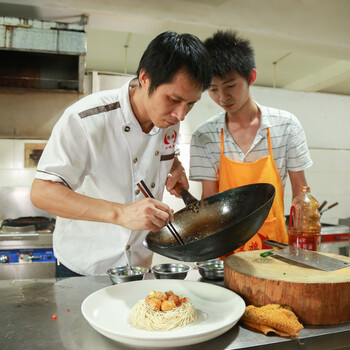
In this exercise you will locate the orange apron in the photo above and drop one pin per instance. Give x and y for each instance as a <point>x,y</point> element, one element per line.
<point>235,174</point>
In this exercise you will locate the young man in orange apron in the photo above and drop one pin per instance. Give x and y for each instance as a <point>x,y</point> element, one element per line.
<point>246,143</point>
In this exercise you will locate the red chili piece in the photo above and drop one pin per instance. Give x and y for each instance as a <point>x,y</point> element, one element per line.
<point>54,317</point>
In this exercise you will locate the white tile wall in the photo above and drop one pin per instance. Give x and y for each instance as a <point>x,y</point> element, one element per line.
<point>12,171</point>
<point>7,150</point>
<point>329,179</point>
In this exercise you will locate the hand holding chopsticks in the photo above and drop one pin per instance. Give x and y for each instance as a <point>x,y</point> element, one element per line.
<point>147,193</point>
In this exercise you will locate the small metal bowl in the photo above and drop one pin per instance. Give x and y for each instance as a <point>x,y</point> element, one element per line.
<point>122,274</point>
<point>170,271</point>
<point>211,269</point>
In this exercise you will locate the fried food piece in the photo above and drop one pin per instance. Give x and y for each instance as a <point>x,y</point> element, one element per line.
<point>169,293</point>
<point>175,298</point>
<point>168,305</point>
<point>163,301</point>
<point>154,303</point>
<point>272,318</point>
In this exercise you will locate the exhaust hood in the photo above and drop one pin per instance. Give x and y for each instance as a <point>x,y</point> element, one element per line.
<point>38,54</point>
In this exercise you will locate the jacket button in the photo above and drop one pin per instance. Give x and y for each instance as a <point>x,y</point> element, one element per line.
<point>135,160</point>
<point>127,128</point>
<point>157,153</point>
<point>127,247</point>
<point>137,191</point>
<point>153,185</point>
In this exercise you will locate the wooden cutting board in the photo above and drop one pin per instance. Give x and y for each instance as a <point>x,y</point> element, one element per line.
<point>317,297</point>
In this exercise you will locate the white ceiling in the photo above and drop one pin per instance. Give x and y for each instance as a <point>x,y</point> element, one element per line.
<point>299,44</point>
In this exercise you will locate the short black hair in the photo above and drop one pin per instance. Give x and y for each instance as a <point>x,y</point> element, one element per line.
<point>229,52</point>
<point>169,52</point>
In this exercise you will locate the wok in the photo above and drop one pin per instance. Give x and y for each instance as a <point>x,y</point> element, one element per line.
<point>216,225</point>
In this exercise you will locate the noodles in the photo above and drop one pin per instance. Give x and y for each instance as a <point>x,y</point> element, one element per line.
<point>143,317</point>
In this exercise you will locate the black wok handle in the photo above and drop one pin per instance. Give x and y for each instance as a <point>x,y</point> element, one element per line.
<point>185,195</point>
<point>272,243</point>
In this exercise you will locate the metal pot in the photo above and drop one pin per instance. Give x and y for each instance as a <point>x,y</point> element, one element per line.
<point>216,225</point>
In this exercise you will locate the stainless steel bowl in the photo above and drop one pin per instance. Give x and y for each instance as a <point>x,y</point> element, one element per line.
<point>170,271</point>
<point>122,274</point>
<point>211,269</point>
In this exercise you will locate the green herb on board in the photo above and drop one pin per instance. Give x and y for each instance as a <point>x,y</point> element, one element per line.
<point>267,253</point>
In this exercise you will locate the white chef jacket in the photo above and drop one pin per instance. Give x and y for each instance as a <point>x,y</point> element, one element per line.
<point>97,148</point>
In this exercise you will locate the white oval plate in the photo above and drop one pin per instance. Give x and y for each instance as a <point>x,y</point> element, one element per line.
<point>107,310</point>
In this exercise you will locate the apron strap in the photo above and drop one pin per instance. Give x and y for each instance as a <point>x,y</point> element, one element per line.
<point>222,141</point>
<point>269,141</point>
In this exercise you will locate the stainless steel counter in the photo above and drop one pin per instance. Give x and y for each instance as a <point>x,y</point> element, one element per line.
<point>26,321</point>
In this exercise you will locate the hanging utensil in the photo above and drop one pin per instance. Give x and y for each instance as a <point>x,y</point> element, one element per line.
<point>147,193</point>
<point>306,257</point>
<point>329,207</point>
<point>322,205</point>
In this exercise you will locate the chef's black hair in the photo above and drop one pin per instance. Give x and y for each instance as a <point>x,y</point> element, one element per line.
<point>229,52</point>
<point>168,53</point>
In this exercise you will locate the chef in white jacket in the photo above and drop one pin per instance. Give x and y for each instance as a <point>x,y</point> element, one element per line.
<point>106,143</point>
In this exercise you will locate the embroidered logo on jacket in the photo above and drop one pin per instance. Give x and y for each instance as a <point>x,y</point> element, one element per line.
<point>170,139</point>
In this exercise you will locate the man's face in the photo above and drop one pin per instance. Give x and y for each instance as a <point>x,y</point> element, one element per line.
<point>169,103</point>
<point>230,92</point>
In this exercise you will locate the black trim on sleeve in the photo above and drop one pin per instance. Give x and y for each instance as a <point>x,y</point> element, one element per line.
<point>63,180</point>
<point>99,109</point>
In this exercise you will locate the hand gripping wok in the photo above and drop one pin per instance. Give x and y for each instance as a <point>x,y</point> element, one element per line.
<point>216,225</point>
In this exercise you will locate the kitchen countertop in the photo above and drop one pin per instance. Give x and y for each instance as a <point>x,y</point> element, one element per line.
<point>26,321</point>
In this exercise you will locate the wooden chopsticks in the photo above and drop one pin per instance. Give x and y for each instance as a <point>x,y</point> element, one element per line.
<point>147,193</point>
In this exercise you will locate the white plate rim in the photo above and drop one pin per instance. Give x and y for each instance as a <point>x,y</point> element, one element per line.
<point>172,338</point>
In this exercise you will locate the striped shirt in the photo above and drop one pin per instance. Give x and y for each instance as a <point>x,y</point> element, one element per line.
<point>289,146</point>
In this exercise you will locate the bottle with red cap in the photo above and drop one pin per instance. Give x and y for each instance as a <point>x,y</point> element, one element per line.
<point>304,223</point>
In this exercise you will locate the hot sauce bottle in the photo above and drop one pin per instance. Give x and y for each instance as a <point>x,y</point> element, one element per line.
<point>304,224</point>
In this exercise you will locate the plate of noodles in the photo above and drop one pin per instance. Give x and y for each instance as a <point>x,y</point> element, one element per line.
<point>205,312</point>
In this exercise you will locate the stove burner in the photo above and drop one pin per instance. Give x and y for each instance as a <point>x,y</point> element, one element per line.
<point>39,223</point>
